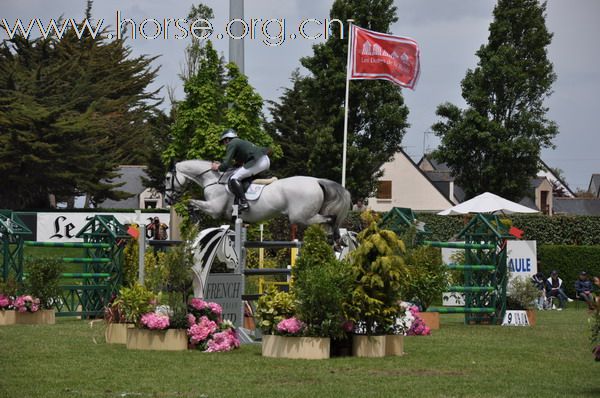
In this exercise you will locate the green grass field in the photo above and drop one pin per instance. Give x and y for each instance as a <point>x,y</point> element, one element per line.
<point>70,359</point>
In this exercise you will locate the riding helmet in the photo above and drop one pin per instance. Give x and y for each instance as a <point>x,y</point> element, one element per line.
<point>229,133</point>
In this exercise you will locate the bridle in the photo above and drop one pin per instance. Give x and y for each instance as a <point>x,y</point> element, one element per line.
<point>170,189</point>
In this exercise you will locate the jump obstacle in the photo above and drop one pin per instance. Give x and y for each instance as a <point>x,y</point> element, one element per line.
<point>485,271</point>
<point>100,273</point>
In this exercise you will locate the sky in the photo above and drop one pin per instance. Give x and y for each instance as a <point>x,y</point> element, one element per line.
<point>449,33</point>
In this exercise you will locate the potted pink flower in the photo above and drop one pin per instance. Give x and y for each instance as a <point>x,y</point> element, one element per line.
<point>206,329</point>
<point>155,333</point>
<point>7,314</point>
<point>290,342</point>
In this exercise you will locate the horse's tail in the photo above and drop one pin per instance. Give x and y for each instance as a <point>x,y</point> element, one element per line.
<point>337,202</point>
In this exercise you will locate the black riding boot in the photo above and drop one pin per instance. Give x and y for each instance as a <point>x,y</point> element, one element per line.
<point>237,189</point>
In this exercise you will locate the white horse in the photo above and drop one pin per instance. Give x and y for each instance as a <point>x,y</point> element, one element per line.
<point>304,200</point>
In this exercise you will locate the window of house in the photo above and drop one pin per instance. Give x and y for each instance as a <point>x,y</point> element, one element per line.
<point>384,189</point>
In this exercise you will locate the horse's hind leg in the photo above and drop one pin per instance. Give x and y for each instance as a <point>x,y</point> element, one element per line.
<point>318,219</point>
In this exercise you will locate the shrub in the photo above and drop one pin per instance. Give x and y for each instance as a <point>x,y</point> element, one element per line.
<point>134,302</point>
<point>322,286</point>
<point>272,308</point>
<point>427,276</point>
<point>521,294</point>
<point>43,279</point>
<point>380,275</point>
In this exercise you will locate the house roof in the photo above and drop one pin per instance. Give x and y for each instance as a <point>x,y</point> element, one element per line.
<point>577,206</point>
<point>132,177</point>
<point>554,179</point>
<point>594,187</point>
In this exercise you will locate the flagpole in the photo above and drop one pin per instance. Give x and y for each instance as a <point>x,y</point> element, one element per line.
<point>346,105</point>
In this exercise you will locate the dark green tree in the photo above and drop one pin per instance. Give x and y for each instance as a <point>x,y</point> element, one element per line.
<point>495,143</point>
<point>71,111</point>
<point>312,111</point>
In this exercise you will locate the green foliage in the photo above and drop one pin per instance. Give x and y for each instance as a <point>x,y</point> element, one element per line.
<point>521,294</point>
<point>130,262</point>
<point>71,111</point>
<point>9,287</point>
<point>312,110</point>
<point>156,271</point>
<point>322,286</point>
<point>43,278</point>
<point>218,96</point>
<point>134,302</point>
<point>495,143</point>
<point>273,307</point>
<point>427,276</point>
<point>380,275</point>
<point>569,261</point>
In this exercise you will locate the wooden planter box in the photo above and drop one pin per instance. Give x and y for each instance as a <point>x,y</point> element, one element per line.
<point>368,346</point>
<point>116,333</point>
<point>295,347</point>
<point>431,319</point>
<point>531,317</point>
<point>394,345</point>
<point>8,317</point>
<point>160,340</point>
<point>41,317</point>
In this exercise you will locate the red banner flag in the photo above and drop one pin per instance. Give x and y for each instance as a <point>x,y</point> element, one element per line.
<point>516,232</point>
<point>133,232</point>
<point>381,56</point>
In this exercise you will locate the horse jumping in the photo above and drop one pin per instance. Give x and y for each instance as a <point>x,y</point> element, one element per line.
<point>304,200</point>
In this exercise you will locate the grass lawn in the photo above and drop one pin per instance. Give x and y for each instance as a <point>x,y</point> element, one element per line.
<point>70,359</point>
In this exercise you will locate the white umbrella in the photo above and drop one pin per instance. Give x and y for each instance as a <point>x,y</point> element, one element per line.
<point>487,203</point>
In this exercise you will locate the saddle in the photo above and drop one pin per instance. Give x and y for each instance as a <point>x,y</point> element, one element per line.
<point>253,188</point>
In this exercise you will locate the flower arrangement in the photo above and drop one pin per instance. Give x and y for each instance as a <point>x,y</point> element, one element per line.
<point>417,327</point>
<point>26,303</point>
<point>155,321</point>
<point>5,302</point>
<point>290,327</point>
<point>206,329</point>
<point>403,320</point>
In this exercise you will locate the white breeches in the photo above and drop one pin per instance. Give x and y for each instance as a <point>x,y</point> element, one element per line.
<point>263,163</point>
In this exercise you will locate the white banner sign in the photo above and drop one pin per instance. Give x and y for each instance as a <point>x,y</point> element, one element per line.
<point>62,227</point>
<point>515,318</point>
<point>521,258</point>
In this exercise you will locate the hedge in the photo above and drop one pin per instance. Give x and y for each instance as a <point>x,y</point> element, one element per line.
<point>564,243</point>
<point>569,261</point>
<point>554,230</point>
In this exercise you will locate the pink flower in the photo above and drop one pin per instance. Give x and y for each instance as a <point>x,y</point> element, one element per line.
<point>4,302</point>
<point>348,326</point>
<point>198,304</point>
<point>223,341</point>
<point>216,308</point>
<point>26,304</point>
<point>155,321</point>
<point>191,319</point>
<point>202,330</point>
<point>290,326</point>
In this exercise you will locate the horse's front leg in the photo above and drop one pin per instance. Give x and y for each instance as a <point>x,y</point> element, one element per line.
<point>205,207</point>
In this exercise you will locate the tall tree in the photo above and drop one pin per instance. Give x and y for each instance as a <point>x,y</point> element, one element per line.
<point>313,110</point>
<point>71,110</point>
<point>495,143</point>
<point>218,97</point>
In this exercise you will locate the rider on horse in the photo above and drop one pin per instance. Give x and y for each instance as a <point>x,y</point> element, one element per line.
<point>253,159</point>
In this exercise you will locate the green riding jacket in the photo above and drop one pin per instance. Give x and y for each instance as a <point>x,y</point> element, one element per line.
<point>241,151</point>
